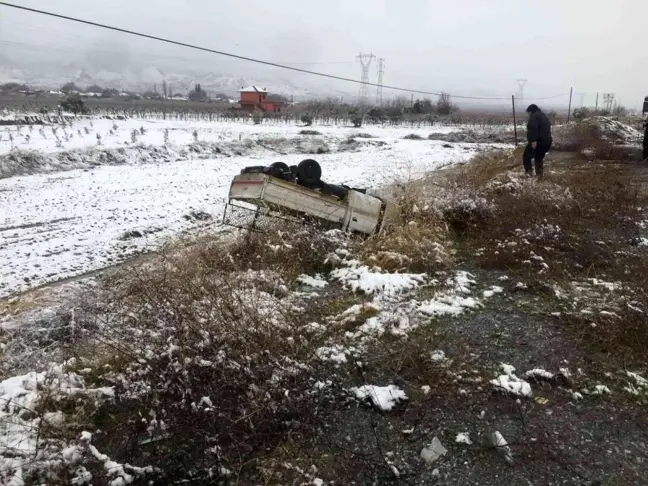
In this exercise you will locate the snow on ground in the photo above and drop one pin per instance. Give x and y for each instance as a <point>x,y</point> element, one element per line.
<point>65,224</point>
<point>509,382</point>
<point>383,397</point>
<point>361,278</point>
<point>42,137</point>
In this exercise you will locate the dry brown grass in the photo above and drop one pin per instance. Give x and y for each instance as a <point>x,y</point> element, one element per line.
<point>416,238</point>
<point>575,225</point>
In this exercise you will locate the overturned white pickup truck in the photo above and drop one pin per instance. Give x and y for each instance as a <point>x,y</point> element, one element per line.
<point>260,195</point>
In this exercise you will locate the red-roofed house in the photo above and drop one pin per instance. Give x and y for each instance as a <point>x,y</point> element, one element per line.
<point>254,98</point>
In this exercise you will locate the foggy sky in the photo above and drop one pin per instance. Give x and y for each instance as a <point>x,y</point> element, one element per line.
<point>471,47</point>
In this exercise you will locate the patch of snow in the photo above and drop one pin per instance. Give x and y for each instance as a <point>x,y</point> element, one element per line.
<point>499,442</point>
<point>336,354</point>
<point>610,286</point>
<point>539,373</point>
<point>510,383</point>
<point>426,389</point>
<point>383,397</point>
<point>19,431</point>
<point>448,304</point>
<point>317,281</point>
<point>362,278</point>
<point>638,385</point>
<point>463,438</point>
<point>461,282</point>
<point>601,390</point>
<point>495,289</point>
<point>438,355</point>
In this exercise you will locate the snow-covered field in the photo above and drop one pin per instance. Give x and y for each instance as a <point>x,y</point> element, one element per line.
<point>119,133</point>
<point>67,223</point>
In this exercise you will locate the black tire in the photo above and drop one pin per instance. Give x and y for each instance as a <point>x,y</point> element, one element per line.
<point>282,166</point>
<point>309,172</point>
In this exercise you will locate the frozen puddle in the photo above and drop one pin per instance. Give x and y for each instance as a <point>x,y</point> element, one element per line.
<point>55,226</point>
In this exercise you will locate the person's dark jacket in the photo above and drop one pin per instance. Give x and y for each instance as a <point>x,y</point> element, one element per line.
<point>538,128</point>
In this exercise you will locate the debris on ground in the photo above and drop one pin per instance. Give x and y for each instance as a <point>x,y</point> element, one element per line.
<point>432,452</point>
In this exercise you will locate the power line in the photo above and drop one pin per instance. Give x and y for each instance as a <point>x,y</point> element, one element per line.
<point>236,56</point>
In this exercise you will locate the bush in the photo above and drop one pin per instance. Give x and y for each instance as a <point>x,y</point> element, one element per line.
<point>257,118</point>
<point>377,115</point>
<point>309,132</point>
<point>413,136</point>
<point>307,120</point>
<point>356,120</point>
<point>74,104</point>
<point>582,113</point>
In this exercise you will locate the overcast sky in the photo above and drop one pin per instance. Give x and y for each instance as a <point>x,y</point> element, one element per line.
<point>463,46</point>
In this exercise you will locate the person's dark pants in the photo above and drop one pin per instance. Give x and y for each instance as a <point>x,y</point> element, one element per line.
<point>538,155</point>
<point>645,143</point>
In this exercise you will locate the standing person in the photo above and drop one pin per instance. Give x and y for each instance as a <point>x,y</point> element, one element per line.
<point>645,140</point>
<point>539,140</point>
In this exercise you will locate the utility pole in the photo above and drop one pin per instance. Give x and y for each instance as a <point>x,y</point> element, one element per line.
<point>596,108</point>
<point>521,83</point>
<point>571,91</point>
<point>379,89</point>
<point>412,100</point>
<point>608,99</point>
<point>365,62</point>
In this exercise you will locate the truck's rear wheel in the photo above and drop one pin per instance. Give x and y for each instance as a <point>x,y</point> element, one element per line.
<point>282,166</point>
<point>309,172</point>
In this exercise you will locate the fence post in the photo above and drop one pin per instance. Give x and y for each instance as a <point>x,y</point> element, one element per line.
<point>514,121</point>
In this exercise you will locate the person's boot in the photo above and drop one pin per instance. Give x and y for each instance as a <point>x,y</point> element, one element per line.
<point>529,173</point>
<point>539,175</point>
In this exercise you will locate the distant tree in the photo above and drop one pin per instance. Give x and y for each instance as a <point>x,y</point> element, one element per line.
<point>74,104</point>
<point>307,120</point>
<point>257,118</point>
<point>444,105</point>
<point>69,87</point>
<point>94,89</point>
<point>221,97</point>
<point>197,94</point>
<point>423,107</point>
<point>356,120</point>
